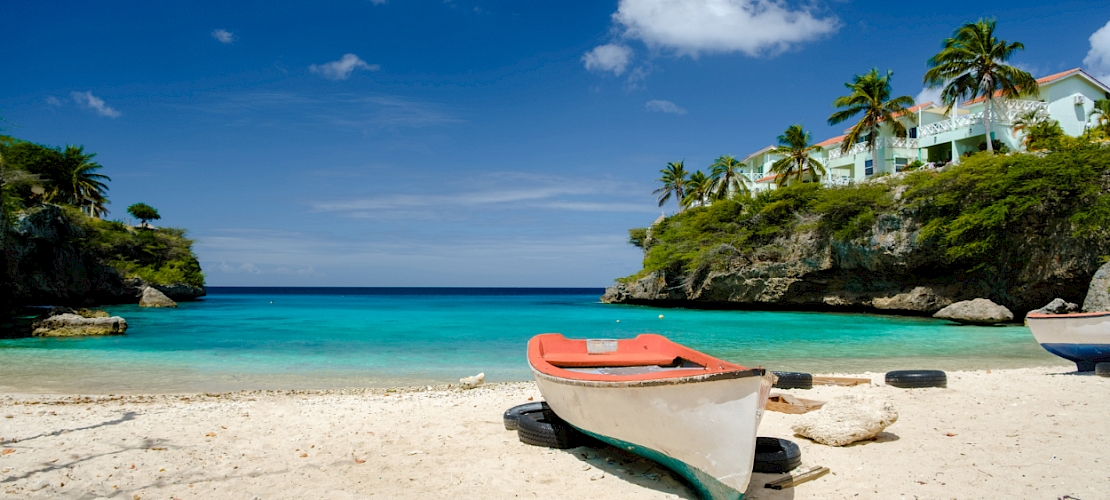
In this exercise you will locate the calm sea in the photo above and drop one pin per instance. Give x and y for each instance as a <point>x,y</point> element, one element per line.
<point>293,338</point>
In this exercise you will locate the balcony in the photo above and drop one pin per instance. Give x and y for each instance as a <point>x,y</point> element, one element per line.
<point>1004,112</point>
<point>885,142</point>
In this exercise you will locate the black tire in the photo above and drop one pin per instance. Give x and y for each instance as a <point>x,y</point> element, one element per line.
<point>513,414</point>
<point>546,429</point>
<point>1102,369</point>
<point>793,380</point>
<point>774,455</point>
<point>916,379</point>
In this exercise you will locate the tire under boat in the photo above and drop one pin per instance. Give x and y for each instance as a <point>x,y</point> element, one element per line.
<point>686,410</point>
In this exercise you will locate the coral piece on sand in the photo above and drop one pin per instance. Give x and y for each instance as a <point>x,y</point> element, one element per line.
<point>975,312</point>
<point>473,381</point>
<point>154,298</point>
<point>847,419</point>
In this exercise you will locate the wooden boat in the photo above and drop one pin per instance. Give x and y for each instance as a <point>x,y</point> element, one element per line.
<point>1080,337</point>
<point>686,410</point>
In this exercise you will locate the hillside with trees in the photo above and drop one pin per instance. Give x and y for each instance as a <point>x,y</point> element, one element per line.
<point>60,249</point>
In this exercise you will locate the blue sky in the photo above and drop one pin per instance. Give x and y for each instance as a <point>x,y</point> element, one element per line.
<point>457,143</point>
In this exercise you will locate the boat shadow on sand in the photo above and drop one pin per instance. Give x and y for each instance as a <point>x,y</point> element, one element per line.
<point>608,462</point>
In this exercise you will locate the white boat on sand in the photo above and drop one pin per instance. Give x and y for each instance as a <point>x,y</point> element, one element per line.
<point>1080,337</point>
<point>689,411</point>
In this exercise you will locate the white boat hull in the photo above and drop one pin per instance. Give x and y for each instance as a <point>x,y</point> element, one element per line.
<point>702,429</point>
<point>1083,338</point>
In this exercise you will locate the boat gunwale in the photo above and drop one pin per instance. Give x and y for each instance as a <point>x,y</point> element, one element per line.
<point>722,371</point>
<point>1068,315</point>
<point>684,379</point>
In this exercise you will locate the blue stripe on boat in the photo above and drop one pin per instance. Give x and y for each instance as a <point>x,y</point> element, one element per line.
<point>1080,353</point>
<point>707,487</point>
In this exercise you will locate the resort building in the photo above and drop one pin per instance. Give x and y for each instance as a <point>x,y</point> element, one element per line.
<point>937,136</point>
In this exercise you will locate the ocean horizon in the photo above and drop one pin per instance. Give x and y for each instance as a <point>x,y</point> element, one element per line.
<point>240,338</point>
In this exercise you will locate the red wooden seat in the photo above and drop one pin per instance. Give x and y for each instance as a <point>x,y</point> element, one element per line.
<point>584,360</point>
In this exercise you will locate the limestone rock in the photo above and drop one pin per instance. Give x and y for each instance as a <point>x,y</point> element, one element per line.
<point>75,325</point>
<point>473,381</point>
<point>1057,306</point>
<point>919,299</point>
<point>1098,294</point>
<point>975,312</point>
<point>153,298</point>
<point>847,419</point>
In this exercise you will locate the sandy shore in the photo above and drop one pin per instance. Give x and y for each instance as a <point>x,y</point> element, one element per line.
<point>1024,433</point>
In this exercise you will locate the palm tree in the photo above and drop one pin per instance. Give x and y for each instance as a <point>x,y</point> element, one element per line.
<point>674,182</point>
<point>795,150</point>
<point>726,178</point>
<point>972,64</point>
<point>85,186</point>
<point>1026,122</point>
<point>870,95</point>
<point>697,190</point>
<point>1102,111</point>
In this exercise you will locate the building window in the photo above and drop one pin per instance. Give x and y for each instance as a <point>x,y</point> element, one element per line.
<point>900,163</point>
<point>868,167</point>
<point>913,133</point>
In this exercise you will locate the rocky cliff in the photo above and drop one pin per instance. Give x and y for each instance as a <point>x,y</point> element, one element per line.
<point>892,252</point>
<point>50,262</point>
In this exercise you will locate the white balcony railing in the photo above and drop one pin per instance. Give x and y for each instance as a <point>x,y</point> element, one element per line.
<point>893,142</point>
<point>1003,112</point>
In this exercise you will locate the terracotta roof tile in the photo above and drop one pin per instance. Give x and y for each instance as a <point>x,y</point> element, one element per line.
<point>1040,81</point>
<point>830,141</point>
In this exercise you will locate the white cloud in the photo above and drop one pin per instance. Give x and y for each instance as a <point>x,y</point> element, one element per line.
<point>692,27</point>
<point>378,2</point>
<point>244,268</point>
<point>342,69</point>
<point>928,95</point>
<point>53,101</point>
<point>609,57</point>
<point>224,36</point>
<point>1098,58</point>
<point>94,103</point>
<point>664,107</point>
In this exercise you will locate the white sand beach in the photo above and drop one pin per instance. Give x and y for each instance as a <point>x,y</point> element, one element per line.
<point>1021,433</point>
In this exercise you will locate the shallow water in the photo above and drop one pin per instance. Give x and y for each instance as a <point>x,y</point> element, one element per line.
<point>326,338</point>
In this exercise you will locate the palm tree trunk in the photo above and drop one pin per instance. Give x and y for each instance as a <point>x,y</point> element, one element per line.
<point>987,123</point>
<point>874,150</point>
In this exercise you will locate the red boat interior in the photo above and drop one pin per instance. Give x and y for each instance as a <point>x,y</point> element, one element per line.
<point>646,357</point>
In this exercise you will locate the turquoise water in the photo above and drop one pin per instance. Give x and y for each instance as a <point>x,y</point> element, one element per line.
<point>325,338</point>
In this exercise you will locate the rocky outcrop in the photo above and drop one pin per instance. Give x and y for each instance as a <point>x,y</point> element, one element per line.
<point>1098,292</point>
<point>846,419</point>
<point>1057,306</point>
<point>975,312</point>
<point>76,325</point>
<point>887,270</point>
<point>154,298</point>
<point>49,263</point>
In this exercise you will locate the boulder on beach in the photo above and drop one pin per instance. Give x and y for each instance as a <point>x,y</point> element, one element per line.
<point>154,298</point>
<point>975,312</point>
<point>846,419</point>
<point>1098,294</point>
<point>76,325</point>
<point>1057,306</point>
<point>472,381</point>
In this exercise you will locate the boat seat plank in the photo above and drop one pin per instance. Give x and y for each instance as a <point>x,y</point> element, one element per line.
<point>584,360</point>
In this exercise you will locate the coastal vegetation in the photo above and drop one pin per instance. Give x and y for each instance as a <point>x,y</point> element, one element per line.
<point>54,204</point>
